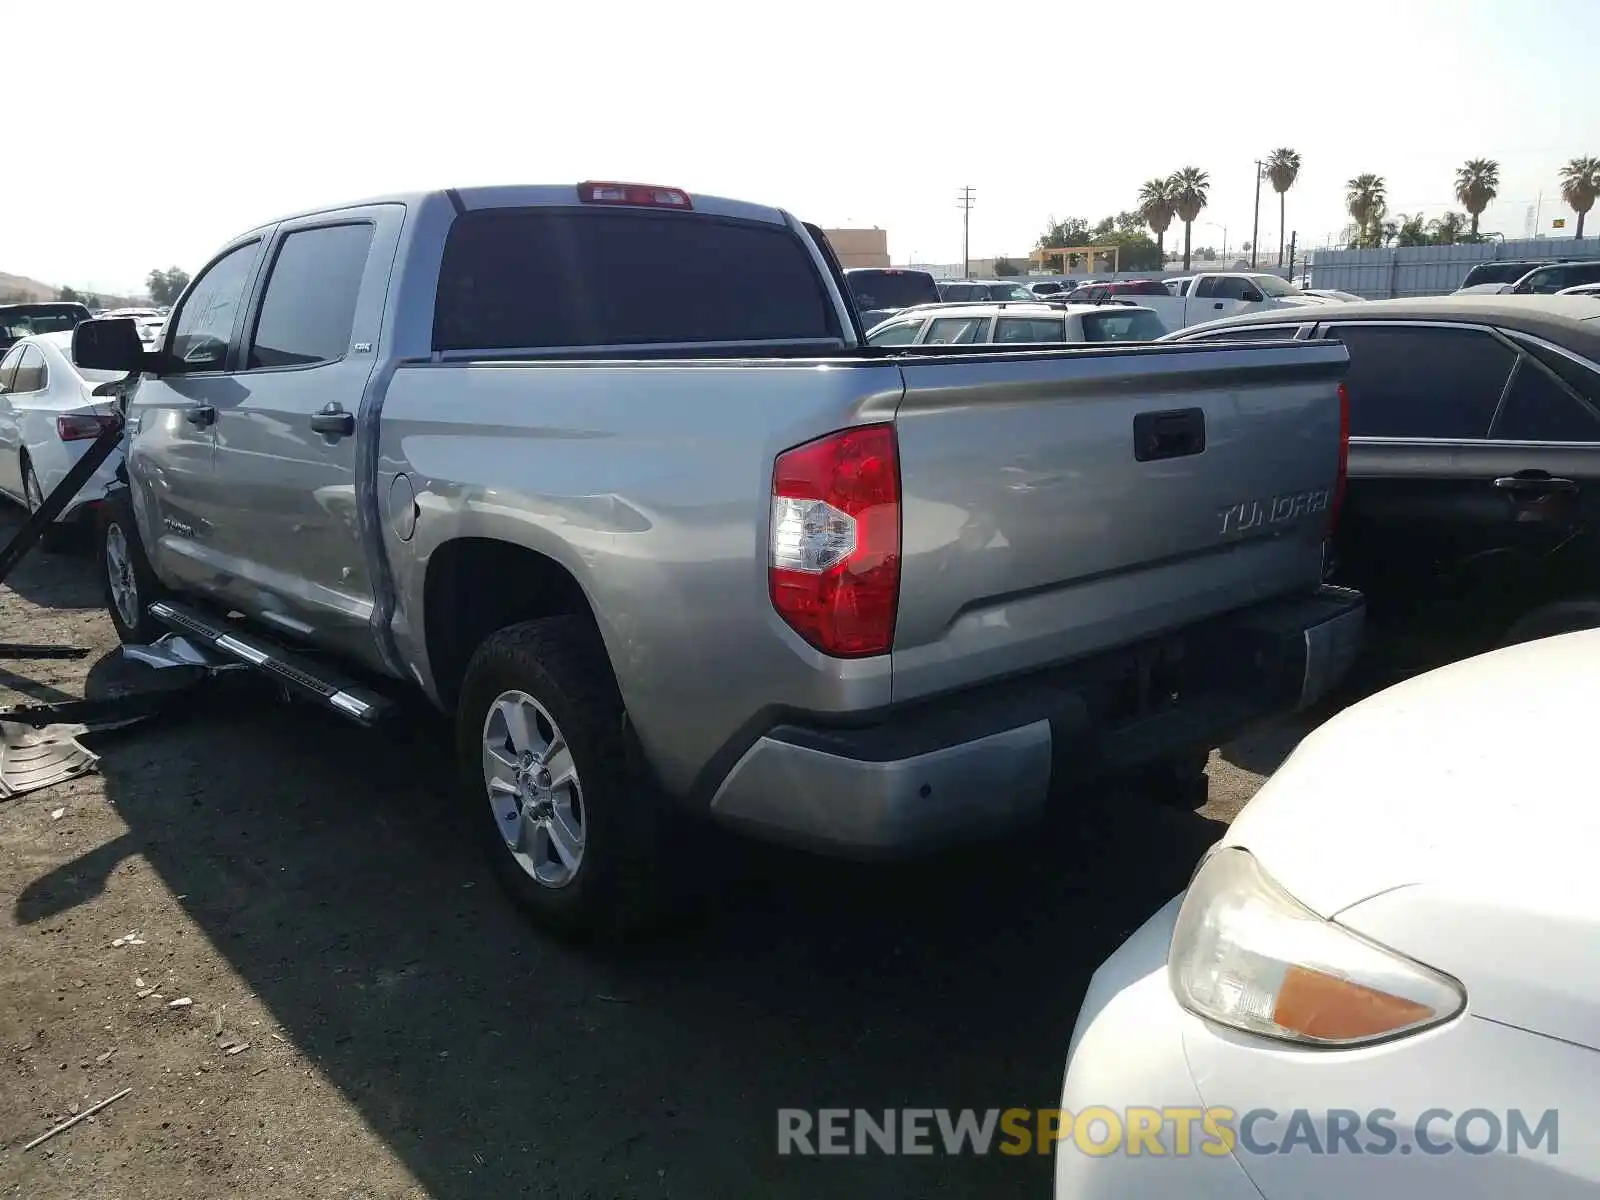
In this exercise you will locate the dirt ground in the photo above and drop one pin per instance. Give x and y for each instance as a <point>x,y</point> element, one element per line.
<point>311,892</point>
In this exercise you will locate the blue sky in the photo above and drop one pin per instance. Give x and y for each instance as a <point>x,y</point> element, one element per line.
<point>865,113</point>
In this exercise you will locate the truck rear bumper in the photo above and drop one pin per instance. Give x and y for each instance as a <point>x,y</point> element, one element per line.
<point>984,761</point>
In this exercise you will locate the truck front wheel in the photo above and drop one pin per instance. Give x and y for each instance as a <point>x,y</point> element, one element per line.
<point>126,580</point>
<point>567,813</point>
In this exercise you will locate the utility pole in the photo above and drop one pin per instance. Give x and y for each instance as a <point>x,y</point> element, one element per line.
<point>1292,236</point>
<point>966,200</point>
<point>1255,229</point>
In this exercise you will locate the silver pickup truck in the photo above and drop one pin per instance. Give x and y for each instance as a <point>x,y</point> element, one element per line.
<point>609,474</point>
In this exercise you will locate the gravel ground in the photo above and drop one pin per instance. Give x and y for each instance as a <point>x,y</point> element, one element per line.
<point>311,891</point>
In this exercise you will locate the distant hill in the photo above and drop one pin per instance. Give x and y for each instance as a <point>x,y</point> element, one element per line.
<point>14,288</point>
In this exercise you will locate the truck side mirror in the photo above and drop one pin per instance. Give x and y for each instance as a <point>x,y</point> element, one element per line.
<point>109,344</point>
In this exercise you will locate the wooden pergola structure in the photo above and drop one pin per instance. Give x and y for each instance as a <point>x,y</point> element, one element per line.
<point>1070,254</point>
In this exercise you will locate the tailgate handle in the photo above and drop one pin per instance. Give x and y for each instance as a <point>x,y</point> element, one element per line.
<point>1175,434</point>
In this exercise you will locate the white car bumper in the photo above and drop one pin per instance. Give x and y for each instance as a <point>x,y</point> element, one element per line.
<point>1134,1047</point>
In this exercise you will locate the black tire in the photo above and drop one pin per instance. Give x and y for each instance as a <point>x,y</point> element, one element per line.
<point>1568,616</point>
<point>56,537</point>
<point>616,890</point>
<point>116,514</point>
<point>1179,781</point>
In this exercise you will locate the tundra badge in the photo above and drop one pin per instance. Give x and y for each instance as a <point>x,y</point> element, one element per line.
<point>1273,510</point>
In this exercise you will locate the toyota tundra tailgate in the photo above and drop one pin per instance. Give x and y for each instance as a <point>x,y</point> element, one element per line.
<point>1057,503</point>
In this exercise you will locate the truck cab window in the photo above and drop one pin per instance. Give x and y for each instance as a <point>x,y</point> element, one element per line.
<point>203,326</point>
<point>309,309</point>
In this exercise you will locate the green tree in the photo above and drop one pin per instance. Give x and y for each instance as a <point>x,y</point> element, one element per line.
<point>166,286</point>
<point>69,294</point>
<point>1477,183</point>
<point>1155,206</point>
<point>1190,188</point>
<point>1366,199</point>
<point>1448,229</point>
<point>1283,168</point>
<point>1412,230</point>
<point>1004,268</point>
<point>1580,187</point>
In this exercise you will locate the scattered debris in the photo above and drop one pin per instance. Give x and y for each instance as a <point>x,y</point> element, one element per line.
<point>106,1057</point>
<point>281,1038</point>
<point>57,814</point>
<point>613,999</point>
<point>140,995</point>
<point>31,758</point>
<point>260,1070</point>
<point>138,981</point>
<point>129,939</point>
<point>180,1002</point>
<point>73,1120</point>
<point>238,1048</point>
<point>219,1023</point>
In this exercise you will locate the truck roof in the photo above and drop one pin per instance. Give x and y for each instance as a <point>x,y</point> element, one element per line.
<point>559,195</point>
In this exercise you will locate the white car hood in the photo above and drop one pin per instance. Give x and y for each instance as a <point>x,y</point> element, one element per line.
<point>1480,776</point>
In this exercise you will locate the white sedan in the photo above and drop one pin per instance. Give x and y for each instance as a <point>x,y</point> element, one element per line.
<point>48,418</point>
<point>1384,981</point>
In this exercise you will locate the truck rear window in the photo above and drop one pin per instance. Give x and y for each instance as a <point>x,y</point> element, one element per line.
<point>543,278</point>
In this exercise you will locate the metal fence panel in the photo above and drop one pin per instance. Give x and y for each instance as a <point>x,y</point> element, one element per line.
<point>1430,270</point>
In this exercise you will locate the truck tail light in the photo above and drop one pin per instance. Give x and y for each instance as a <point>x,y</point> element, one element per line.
<point>82,427</point>
<point>646,195</point>
<point>1344,460</point>
<point>834,571</point>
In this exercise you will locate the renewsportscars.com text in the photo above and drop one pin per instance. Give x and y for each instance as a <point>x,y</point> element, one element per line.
<point>1171,1131</point>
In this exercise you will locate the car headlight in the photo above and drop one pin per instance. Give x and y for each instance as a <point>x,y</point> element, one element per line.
<point>1248,955</point>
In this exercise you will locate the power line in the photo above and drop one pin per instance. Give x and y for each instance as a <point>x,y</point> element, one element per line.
<point>966,200</point>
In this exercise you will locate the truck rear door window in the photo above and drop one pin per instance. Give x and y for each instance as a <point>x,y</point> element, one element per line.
<point>309,309</point>
<point>544,278</point>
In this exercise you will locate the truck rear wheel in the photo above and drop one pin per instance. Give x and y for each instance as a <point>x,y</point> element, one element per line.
<point>568,815</point>
<point>126,580</point>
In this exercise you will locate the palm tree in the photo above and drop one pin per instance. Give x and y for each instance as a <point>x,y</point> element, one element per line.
<point>1447,230</point>
<point>1188,188</point>
<point>1283,168</point>
<point>1366,200</point>
<point>1580,186</point>
<point>1477,183</point>
<point>1155,206</point>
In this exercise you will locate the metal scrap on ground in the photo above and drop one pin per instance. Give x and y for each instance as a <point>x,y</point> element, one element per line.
<point>71,1121</point>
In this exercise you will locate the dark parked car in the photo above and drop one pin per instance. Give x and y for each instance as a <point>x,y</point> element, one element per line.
<point>1473,505</point>
<point>1551,278</point>
<point>18,321</point>
<point>1502,271</point>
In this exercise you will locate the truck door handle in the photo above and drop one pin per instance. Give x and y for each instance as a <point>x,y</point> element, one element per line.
<point>200,415</point>
<point>1218,304</point>
<point>334,422</point>
<point>1534,484</point>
